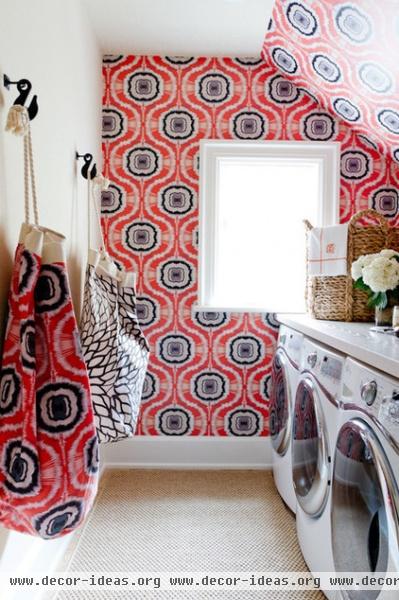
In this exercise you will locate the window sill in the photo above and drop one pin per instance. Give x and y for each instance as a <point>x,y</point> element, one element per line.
<point>239,309</point>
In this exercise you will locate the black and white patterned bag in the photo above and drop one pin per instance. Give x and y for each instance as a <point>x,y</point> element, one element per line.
<point>114,347</point>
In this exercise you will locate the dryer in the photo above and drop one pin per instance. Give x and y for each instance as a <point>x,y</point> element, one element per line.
<point>365,487</point>
<point>285,374</point>
<point>316,417</point>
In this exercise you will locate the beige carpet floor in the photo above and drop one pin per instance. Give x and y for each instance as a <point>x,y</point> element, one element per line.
<point>187,521</point>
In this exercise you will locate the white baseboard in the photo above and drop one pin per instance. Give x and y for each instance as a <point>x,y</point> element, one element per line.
<point>145,452</point>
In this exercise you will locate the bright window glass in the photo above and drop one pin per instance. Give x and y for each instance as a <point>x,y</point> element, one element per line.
<point>252,242</point>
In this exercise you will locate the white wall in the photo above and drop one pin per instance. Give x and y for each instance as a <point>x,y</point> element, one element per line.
<point>51,43</point>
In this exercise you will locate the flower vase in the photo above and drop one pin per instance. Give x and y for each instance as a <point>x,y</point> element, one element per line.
<point>383,316</point>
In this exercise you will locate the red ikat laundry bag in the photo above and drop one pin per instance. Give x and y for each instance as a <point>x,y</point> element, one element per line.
<point>48,442</point>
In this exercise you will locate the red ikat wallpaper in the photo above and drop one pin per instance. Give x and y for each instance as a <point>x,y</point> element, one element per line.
<point>209,373</point>
<point>347,55</point>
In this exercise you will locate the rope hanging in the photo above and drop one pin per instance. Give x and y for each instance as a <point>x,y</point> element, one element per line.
<point>18,123</point>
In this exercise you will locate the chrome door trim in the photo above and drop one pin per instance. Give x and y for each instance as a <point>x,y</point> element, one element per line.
<point>315,500</point>
<point>386,477</point>
<point>356,408</point>
<point>287,356</point>
<point>283,444</point>
<point>332,400</point>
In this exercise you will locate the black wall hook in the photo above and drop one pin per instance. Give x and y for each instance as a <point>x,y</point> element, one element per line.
<point>87,158</point>
<point>24,88</point>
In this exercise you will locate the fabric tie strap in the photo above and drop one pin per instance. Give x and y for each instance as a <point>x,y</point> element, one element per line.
<point>99,183</point>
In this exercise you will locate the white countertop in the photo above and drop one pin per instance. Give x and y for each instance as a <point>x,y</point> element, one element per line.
<point>354,339</point>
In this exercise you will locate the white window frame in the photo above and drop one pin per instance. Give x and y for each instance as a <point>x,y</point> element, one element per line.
<point>212,152</point>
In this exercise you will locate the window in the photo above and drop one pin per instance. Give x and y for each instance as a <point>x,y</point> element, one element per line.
<point>254,197</point>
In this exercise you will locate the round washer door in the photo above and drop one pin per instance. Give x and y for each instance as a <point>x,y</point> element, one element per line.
<point>280,404</point>
<point>310,460</point>
<point>365,506</point>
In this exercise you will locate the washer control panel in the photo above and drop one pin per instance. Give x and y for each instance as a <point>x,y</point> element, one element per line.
<point>368,392</point>
<point>326,366</point>
<point>292,341</point>
<point>311,359</point>
<point>374,392</point>
<point>331,367</point>
<point>389,414</point>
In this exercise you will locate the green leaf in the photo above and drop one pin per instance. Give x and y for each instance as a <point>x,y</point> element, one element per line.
<point>371,302</point>
<point>360,285</point>
<point>383,300</point>
<point>378,300</point>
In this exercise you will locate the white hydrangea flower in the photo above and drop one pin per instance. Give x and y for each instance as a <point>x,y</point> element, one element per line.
<point>389,253</point>
<point>381,274</point>
<point>359,264</point>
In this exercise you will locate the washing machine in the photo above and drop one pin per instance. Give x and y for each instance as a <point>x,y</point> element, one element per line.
<point>315,429</point>
<point>285,374</point>
<point>365,485</point>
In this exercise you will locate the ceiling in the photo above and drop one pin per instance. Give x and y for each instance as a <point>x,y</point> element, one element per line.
<point>180,27</point>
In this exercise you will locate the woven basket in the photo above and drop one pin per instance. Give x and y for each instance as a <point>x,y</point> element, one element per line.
<point>335,298</point>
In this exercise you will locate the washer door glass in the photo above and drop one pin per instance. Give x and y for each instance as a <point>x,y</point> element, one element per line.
<point>364,515</point>
<point>310,461</point>
<point>280,408</point>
